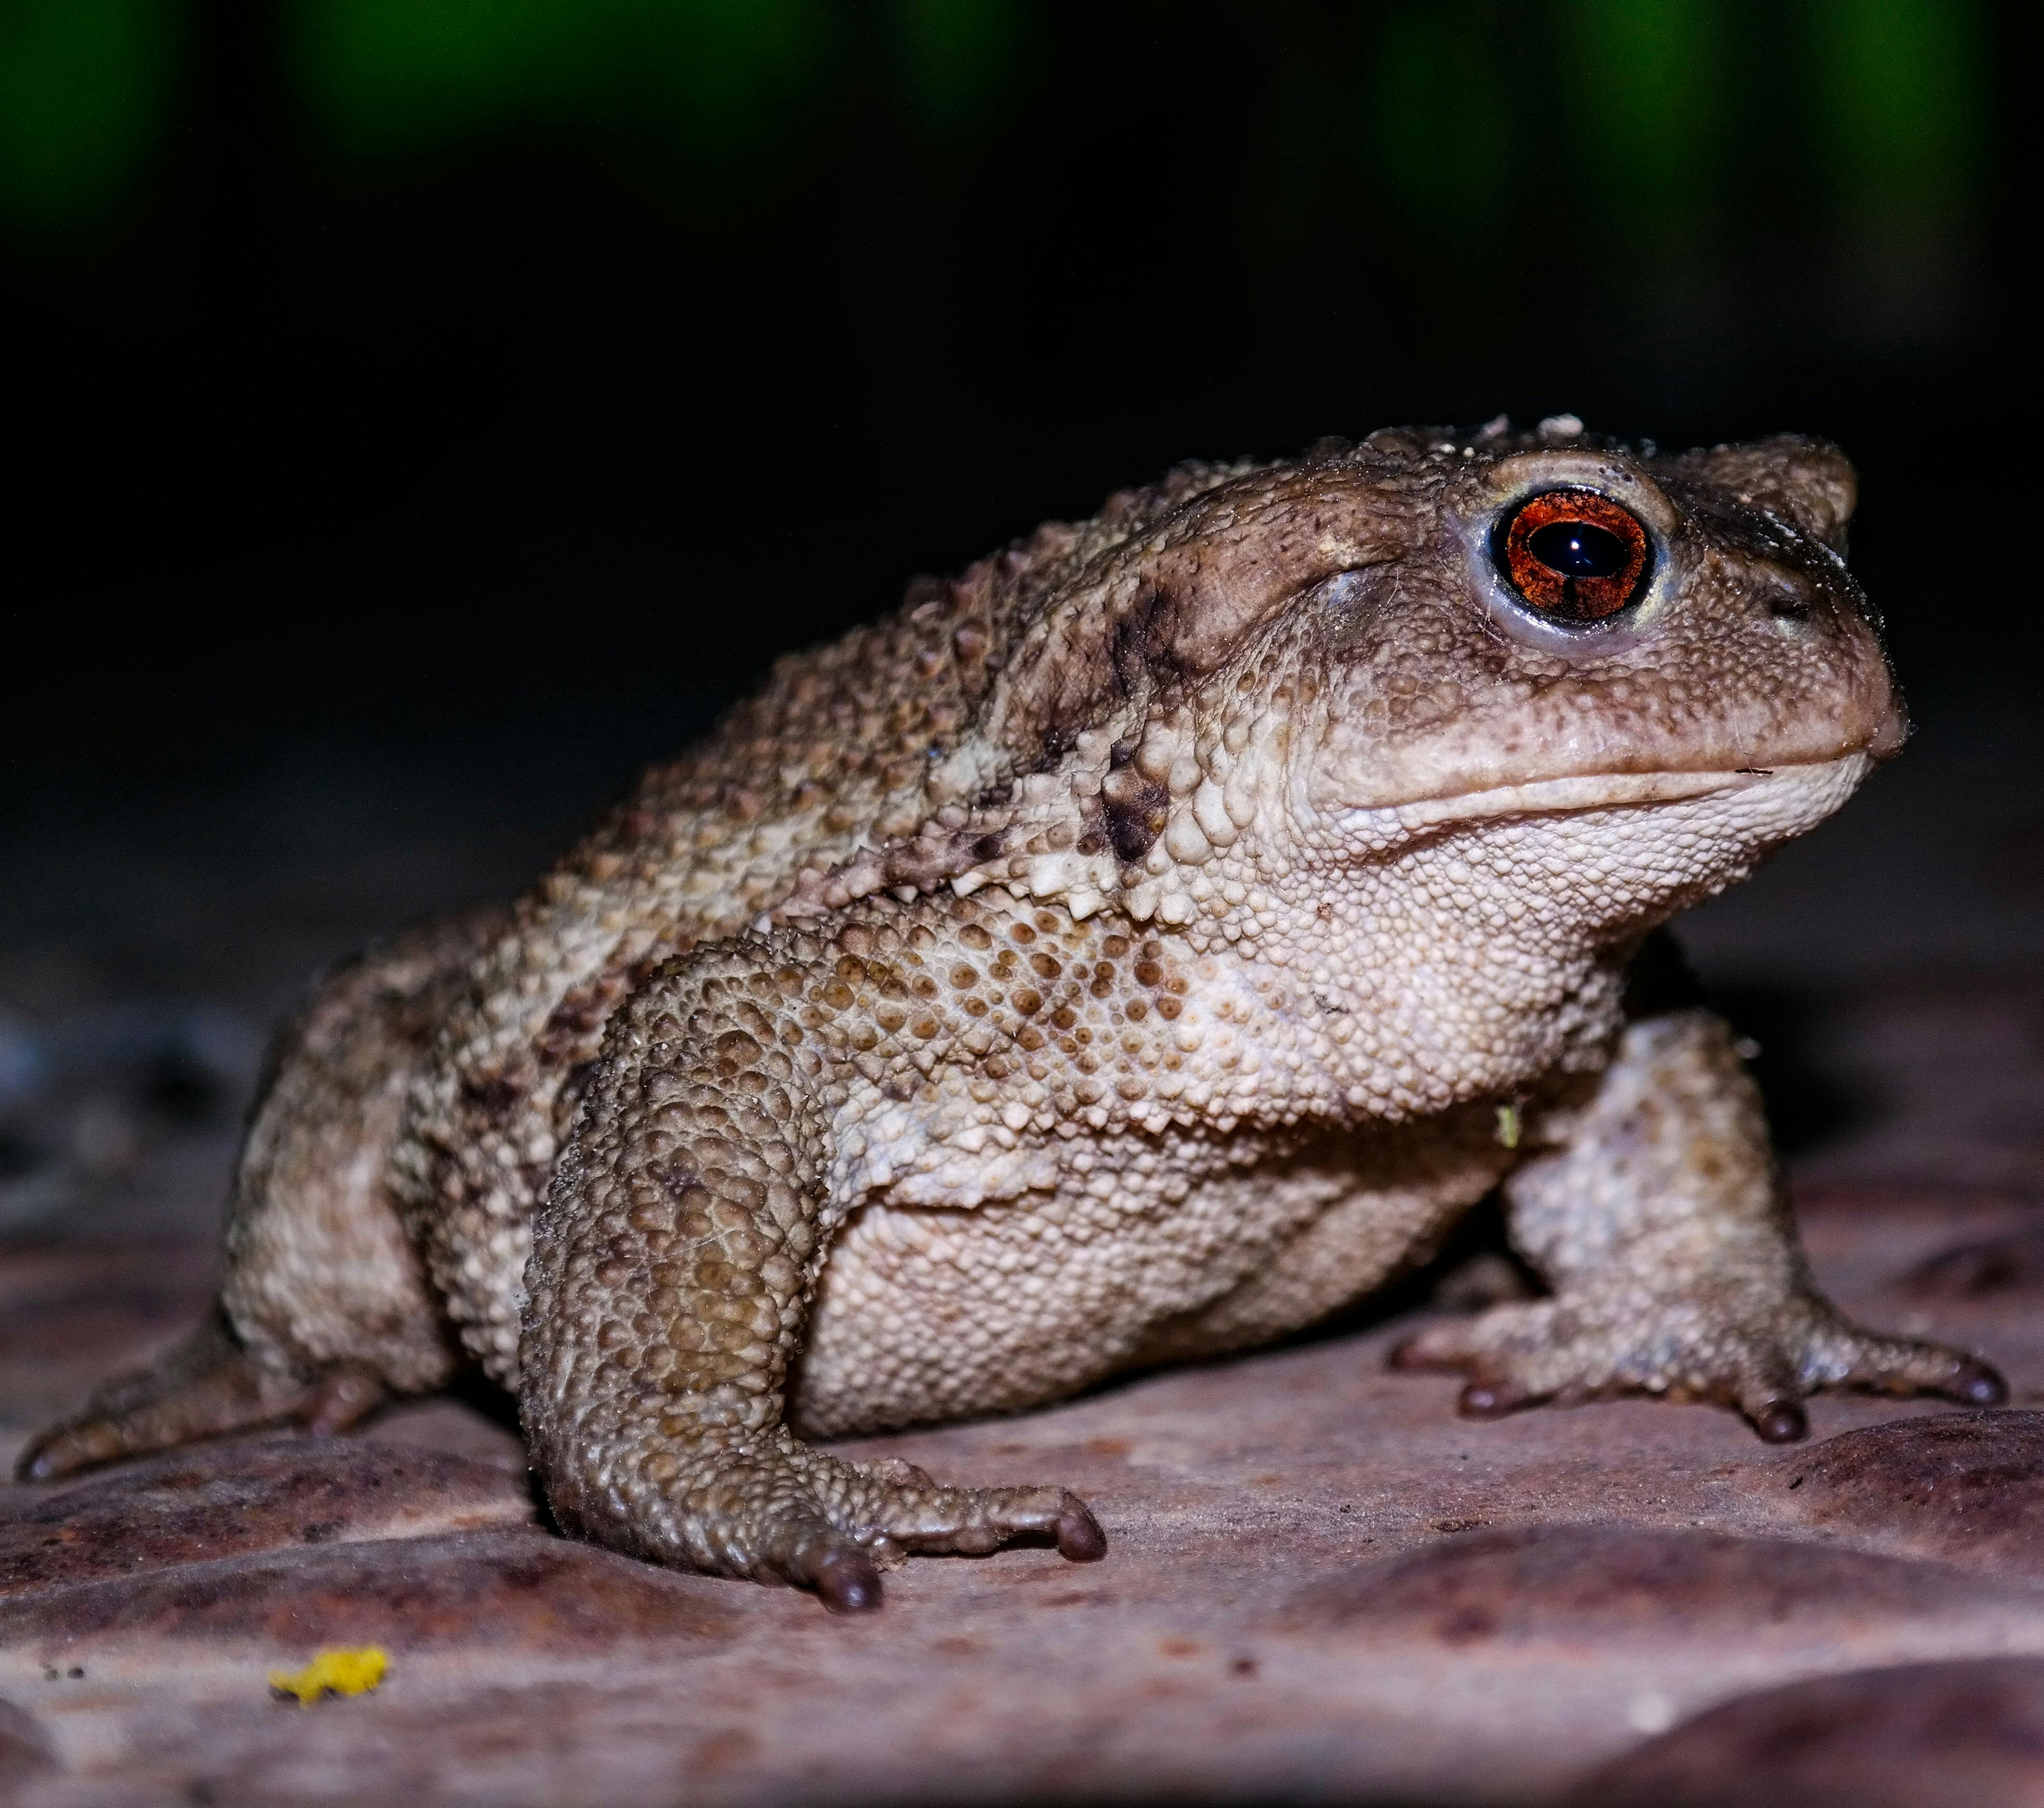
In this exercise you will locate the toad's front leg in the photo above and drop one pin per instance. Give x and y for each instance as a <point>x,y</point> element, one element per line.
<point>668,1292</point>
<point>1661,1226</point>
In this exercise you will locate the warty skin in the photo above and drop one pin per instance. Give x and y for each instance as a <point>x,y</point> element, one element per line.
<point>1128,950</point>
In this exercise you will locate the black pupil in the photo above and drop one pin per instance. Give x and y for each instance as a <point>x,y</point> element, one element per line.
<point>1577,549</point>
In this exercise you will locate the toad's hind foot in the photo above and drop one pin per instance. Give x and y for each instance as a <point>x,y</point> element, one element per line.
<point>772,1509</point>
<point>1521,1355</point>
<point>207,1386</point>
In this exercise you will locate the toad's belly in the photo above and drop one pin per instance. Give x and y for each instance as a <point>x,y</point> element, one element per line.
<point>1140,1256</point>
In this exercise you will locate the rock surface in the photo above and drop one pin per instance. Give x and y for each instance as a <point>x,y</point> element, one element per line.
<point>1320,1580</point>
<point>1969,1486</point>
<point>1916,1736</point>
<point>214,1503</point>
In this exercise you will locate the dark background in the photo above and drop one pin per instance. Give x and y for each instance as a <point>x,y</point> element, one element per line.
<point>418,362</point>
<point>419,413</point>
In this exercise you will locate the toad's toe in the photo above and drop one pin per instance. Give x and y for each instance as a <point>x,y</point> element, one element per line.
<point>1763,1365</point>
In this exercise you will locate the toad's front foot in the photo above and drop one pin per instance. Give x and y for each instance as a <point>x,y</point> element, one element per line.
<point>768,1507</point>
<point>1765,1366</point>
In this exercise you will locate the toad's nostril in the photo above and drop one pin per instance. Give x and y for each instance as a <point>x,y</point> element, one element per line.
<point>1789,605</point>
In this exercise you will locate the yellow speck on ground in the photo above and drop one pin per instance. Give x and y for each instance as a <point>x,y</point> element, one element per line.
<point>1507,1126</point>
<point>334,1673</point>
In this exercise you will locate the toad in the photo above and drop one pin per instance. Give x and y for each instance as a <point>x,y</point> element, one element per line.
<point>1140,946</point>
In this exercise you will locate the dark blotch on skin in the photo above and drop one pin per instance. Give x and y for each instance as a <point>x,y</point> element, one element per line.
<point>1134,815</point>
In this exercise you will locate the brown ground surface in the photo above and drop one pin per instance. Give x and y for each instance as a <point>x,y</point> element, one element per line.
<point>1322,1584</point>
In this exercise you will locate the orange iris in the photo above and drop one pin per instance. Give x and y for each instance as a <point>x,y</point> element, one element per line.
<point>1575,554</point>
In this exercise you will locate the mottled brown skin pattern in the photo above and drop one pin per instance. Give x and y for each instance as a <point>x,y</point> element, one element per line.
<point>1140,946</point>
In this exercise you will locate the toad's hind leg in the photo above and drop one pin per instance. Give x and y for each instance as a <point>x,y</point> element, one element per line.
<point>324,1307</point>
<point>207,1385</point>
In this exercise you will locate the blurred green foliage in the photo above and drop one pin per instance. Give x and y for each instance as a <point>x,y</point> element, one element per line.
<point>1900,87</point>
<point>394,75</point>
<point>1644,81</point>
<point>1904,86</point>
<point>960,52</point>
<point>717,75</point>
<point>1438,124</point>
<point>86,88</point>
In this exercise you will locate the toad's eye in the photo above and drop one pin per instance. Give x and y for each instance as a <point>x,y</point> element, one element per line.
<point>1573,555</point>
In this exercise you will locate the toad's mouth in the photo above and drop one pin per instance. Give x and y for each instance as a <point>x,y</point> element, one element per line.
<point>1612,790</point>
